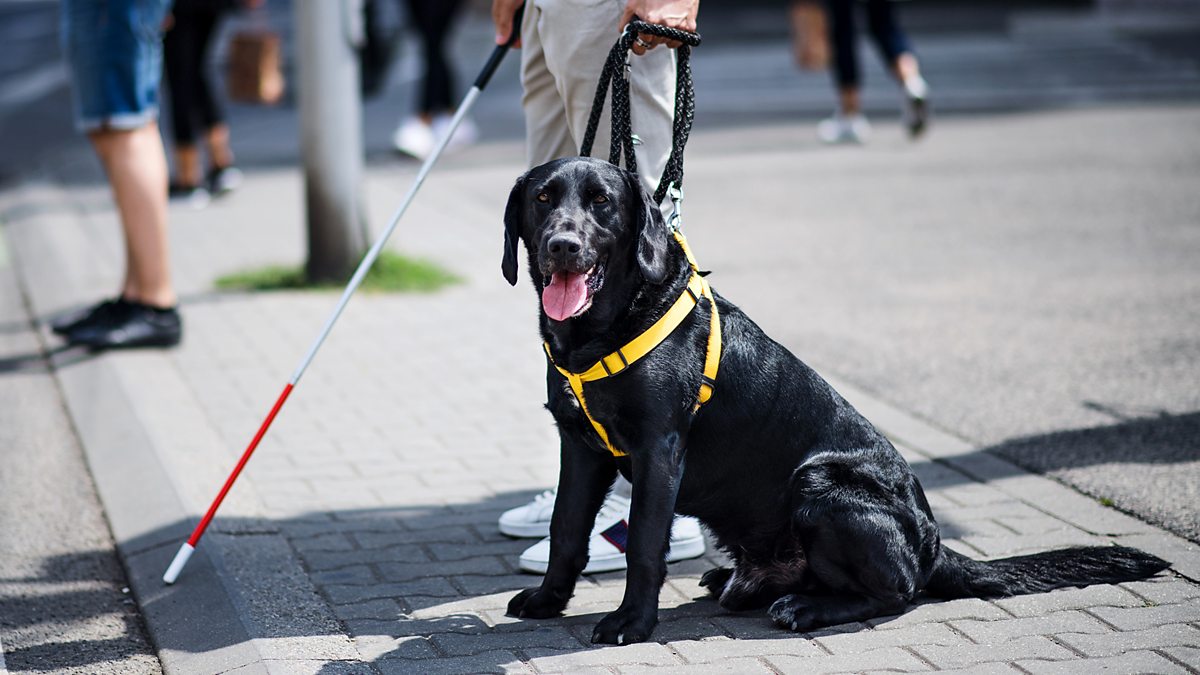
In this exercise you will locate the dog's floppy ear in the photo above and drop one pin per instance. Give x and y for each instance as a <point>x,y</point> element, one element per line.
<point>512,230</point>
<point>651,232</point>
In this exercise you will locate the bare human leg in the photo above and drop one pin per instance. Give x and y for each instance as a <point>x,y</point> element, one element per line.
<point>136,165</point>
<point>187,165</point>
<point>216,141</point>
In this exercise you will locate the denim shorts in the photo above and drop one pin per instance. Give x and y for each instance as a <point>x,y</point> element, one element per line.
<point>114,53</point>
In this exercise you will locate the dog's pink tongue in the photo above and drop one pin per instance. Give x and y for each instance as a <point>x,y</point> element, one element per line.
<point>565,295</point>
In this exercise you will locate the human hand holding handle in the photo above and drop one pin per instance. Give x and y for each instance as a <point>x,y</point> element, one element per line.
<point>503,12</point>
<point>679,14</point>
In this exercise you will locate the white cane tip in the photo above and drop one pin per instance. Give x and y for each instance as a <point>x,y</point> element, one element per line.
<point>177,564</point>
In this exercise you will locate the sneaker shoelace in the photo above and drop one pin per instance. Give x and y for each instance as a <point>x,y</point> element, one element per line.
<point>613,508</point>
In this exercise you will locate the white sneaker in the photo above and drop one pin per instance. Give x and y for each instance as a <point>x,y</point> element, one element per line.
<point>606,547</point>
<point>844,129</point>
<point>531,520</point>
<point>466,133</point>
<point>414,137</point>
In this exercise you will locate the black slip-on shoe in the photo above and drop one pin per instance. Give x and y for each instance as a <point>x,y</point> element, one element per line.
<point>135,325</point>
<point>96,314</point>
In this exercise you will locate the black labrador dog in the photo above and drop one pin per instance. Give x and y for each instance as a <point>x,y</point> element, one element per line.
<point>824,521</point>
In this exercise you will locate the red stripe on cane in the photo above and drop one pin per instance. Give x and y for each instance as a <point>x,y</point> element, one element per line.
<point>262,430</point>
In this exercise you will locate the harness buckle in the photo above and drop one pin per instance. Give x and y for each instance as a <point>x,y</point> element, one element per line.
<point>614,369</point>
<point>708,387</point>
<point>676,194</point>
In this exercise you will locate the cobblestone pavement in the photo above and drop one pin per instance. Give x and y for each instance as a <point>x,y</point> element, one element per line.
<point>362,537</point>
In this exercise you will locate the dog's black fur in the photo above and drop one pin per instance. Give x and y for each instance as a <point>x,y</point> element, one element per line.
<point>823,519</point>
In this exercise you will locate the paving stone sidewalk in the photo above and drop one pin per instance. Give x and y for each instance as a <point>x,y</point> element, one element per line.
<point>362,537</point>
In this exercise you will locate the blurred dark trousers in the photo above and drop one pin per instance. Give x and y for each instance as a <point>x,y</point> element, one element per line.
<point>185,54</point>
<point>433,19</point>
<point>886,33</point>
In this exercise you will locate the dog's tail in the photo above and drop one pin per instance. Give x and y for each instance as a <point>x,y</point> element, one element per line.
<point>957,576</point>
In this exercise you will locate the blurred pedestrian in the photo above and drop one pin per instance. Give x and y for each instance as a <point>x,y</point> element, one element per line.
<point>195,106</point>
<point>848,124</point>
<point>114,55</point>
<point>564,46</point>
<point>418,134</point>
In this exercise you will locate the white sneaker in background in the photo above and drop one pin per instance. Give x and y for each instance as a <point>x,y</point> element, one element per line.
<point>687,540</point>
<point>530,520</point>
<point>466,134</point>
<point>916,87</point>
<point>606,547</point>
<point>194,196</point>
<point>844,129</point>
<point>414,137</point>
<point>222,181</point>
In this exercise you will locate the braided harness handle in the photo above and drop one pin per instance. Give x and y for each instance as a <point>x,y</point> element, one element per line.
<point>622,134</point>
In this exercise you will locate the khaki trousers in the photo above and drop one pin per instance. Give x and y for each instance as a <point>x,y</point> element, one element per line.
<point>566,43</point>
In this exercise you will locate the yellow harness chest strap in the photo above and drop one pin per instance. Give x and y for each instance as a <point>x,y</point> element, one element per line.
<point>643,344</point>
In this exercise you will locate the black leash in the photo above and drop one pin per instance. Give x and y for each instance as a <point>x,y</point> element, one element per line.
<point>622,134</point>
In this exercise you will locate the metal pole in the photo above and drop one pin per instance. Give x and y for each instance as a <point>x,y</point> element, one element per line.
<point>328,33</point>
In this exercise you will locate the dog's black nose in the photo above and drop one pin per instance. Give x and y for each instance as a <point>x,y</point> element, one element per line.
<point>564,244</point>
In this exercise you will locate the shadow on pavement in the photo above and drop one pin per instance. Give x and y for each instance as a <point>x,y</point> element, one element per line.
<point>420,582</point>
<point>410,583</point>
<point>36,362</point>
<point>428,581</point>
<point>1163,439</point>
<point>26,607</point>
<point>1148,448</point>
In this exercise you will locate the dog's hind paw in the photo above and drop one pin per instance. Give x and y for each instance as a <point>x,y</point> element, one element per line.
<point>624,627</point>
<point>716,579</point>
<point>793,612</point>
<point>536,603</point>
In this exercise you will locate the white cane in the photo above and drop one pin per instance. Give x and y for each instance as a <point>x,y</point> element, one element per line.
<point>185,551</point>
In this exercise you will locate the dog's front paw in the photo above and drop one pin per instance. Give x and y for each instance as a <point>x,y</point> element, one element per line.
<point>716,579</point>
<point>624,627</point>
<point>536,603</point>
<point>794,612</point>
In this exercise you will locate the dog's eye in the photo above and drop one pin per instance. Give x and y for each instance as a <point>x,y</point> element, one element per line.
<point>543,197</point>
<point>600,199</point>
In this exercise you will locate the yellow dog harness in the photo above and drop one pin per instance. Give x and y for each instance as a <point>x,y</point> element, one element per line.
<point>643,344</point>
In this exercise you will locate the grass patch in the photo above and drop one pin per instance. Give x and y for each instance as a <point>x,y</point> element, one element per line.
<point>1105,501</point>
<point>391,273</point>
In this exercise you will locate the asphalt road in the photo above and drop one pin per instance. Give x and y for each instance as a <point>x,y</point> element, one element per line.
<point>64,604</point>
